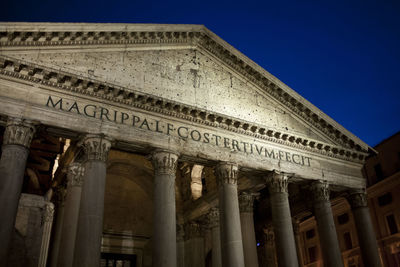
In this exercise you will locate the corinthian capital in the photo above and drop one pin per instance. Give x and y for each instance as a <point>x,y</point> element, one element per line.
<point>193,230</point>
<point>75,174</point>
<point>246,201</point>
<point>213,217</point>
<point>96,147</point>
<point>358,198</point>
<point>164,162</point>
<point>320,191</point>
<point>278,182</point>
<point>227,173</point>
<point>18,132</point>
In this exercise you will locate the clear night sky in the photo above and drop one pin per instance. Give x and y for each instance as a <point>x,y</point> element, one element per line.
<point>342,56</point>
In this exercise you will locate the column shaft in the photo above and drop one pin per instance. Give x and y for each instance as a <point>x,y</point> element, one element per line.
<point>16,142</point>
<point>90,222</point>
<point>55,247</point>
<point>365,230</point>
<point>282,221</point>
<point>194,244</point>
<point>296,230</point>
<point>231,235</point>
<point>71,213</point>
<point>213,217</point>
<point>326,226</point>
<point>248,234</point>
<point>164,235</point>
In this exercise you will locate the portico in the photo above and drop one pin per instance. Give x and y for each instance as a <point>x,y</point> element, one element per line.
<point>146,103</point>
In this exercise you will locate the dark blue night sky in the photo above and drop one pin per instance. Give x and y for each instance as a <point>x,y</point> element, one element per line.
<point>342,56</point>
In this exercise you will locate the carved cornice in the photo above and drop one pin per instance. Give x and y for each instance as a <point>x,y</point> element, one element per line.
<point>227,173</point>
<point>246,201</point>
<point>96,147</point>
<point>277,182</point>
<point>75,174</point>
<point>70,82</point>
<point>164,162</point>
<point>358,198</point>
<point>213,217</point>
<point>199,37</point>
<point>320,191</point>
<point>18,132</point>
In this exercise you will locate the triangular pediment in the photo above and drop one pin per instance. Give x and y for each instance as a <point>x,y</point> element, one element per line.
<point>179,63</point>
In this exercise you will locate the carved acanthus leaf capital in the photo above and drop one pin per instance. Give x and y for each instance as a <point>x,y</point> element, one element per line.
<point>358,198</point>
<point>96,147</point>
<point>48,212</point>
<point>164,162</point>
<point>278,182</point>
<point>18,132</point>
<point>75,174</point>
<point>227,173</point>
<point>180,233</point>
<point>269,235</point>
<point>320,191</point>
<point>193,230</point>
<point>246,201</point>
<point>61,193</point>
<point>213,217</point>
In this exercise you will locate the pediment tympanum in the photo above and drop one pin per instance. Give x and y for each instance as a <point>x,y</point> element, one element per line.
<point>181,72</point>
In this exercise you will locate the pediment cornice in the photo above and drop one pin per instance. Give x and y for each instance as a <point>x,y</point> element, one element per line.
<point>45,76</point>
<point>21,35</point>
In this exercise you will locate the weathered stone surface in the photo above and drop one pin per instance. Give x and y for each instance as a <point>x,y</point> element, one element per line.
<point>29,246</point>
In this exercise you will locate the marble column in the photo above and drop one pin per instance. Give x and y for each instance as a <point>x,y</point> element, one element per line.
<point>90,220</point>
<point>180,245</point>
<point>164,218</point>
<point>246,201</point>
<point>16,142</point>
<point>213,222</point>
<point>231,234</point>
<point>47,223</point>
<point>365,230</point>
<point>328,239</point>
<point>61,192</point>
<point>194,245</point>
<point>71,212</point>
<point>296,230</point>
<point>281,219</point>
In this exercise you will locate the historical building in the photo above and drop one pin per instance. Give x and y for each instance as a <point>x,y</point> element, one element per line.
<point>383,180</point>
<point>162,145</point>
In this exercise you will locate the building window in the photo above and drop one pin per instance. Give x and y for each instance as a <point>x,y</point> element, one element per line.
<point>312,253</point>
<point>385,199</point>
<point>347,241</point>
<point>378,171</point>
<point>344,218</point>
<point>310,233</point>
<point>391,221</point>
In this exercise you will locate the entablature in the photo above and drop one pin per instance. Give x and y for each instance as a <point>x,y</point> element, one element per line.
<point>17,36</point>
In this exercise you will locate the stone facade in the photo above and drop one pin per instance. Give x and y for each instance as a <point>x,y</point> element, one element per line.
<point>168,125</point>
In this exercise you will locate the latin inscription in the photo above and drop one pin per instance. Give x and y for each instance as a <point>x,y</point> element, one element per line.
<point>183,132</point>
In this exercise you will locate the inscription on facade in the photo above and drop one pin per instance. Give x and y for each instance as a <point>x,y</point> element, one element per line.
<point>183,132</point>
